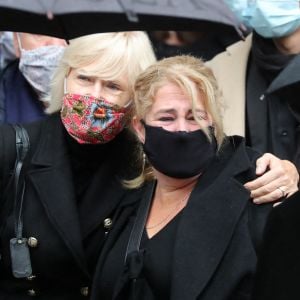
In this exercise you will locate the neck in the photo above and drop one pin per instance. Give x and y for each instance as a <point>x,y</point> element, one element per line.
<point>290,44</point>
<point>169,190</point>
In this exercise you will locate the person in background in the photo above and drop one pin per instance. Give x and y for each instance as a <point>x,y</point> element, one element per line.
<point>260,82</point>
<point>205,44</point>
<point>7,50</point>
<point>25,82</point>
<point>78,157</point>
<point>192,233</point>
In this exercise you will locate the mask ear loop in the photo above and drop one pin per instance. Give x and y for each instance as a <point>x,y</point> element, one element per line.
<point>19,41</point>
<point>65,86</point>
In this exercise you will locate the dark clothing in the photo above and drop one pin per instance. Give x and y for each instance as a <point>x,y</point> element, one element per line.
<point>65,215</point>
<point>215,240</point>
<point>278,271</point>
<point>206,46</point>
<point>19,103</point>
<point>273,83</point>
<point>157,262</point>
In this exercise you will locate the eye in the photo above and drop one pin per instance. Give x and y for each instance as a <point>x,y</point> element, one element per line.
<point>166,119</point>
<point>114,86</point>
<point>84,78</point>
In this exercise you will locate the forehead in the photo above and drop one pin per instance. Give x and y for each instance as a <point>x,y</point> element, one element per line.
<point>91,70</point>
<point>172,96</point>
<point>31,41</point>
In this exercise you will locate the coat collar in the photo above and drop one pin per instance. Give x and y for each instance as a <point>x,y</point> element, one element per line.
<point>288,76</point>
<point>218,208</point>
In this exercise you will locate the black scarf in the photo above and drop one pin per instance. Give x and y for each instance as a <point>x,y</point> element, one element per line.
<point>267,57</point>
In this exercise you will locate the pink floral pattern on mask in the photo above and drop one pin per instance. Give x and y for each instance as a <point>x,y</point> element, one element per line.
<point>91,120</point>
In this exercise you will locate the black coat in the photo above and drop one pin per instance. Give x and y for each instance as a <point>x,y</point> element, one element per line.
<point>278,272</point>
<point>218,235</point>
<point>70,234</point>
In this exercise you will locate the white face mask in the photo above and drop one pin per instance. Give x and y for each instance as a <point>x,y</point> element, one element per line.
<point>38,66</point>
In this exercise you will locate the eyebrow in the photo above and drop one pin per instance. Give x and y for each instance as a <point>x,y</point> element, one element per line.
<point>172,110</point>
<point>88,74</point>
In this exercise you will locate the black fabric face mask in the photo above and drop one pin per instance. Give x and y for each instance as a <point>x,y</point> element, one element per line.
<point>179,154</point>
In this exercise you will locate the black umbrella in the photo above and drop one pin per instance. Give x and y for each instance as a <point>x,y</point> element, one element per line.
<point>73,18</point>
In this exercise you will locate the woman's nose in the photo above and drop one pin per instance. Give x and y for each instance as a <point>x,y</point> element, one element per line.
<point>182,125</point>
<point>96,90</point>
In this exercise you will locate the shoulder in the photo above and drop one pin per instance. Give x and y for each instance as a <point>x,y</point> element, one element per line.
<point>233,50</point>
<point>8,137</point>
<point>234,146</point>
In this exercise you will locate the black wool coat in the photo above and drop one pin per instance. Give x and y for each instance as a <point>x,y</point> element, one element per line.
<point>69,234</point>
<point>219,232</point>
<point>278,270</point>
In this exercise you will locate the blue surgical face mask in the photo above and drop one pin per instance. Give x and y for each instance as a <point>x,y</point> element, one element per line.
<point>38,66</point>
<point>242,9</point>
<point>269,18</point>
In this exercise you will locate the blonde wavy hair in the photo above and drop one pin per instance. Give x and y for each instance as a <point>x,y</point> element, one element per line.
<point>112,55</point>
<point>193,77</point>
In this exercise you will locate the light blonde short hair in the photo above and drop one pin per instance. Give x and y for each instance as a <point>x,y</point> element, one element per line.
<point>112,55</point>
<point>193,77</point>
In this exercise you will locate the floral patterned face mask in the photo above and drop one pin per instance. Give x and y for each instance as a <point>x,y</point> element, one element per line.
<point>91,120</point>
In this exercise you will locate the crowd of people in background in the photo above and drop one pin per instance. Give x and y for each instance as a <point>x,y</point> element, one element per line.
<point>156,163</point>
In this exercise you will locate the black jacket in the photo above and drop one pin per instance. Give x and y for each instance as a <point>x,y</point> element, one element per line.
<point>19,103</point>
<point>218,235</point>
<point>70,234</point>
<point>278,270</point>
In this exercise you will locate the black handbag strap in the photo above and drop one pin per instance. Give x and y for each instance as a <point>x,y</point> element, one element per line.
<point>22,148</point>
<point>140,221</point>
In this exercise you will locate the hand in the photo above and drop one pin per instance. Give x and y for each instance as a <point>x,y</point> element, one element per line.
<point>278,179</point>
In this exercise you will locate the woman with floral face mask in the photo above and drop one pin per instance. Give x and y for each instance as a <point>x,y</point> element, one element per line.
<point>78,158</point>
<point>193,233</point>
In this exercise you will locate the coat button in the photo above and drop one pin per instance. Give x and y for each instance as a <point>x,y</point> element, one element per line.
<point>107,223</point>
<point>84,291</point>
<point>32,242</point>
<point>284,133</point>
<point>31,292</point>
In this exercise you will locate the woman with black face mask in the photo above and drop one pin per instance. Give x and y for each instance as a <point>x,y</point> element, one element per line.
<point>194,232</point>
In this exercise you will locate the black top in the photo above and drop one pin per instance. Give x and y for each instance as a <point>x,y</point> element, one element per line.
<point>85,160</point>
<point>155,266</point>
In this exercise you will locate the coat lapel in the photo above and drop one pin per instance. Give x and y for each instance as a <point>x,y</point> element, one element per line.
<point>212,213</point>
<point>289,75</point>
<point>51,177</point>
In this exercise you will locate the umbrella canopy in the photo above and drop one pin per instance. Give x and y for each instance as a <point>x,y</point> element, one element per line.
<point>72,18</point>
